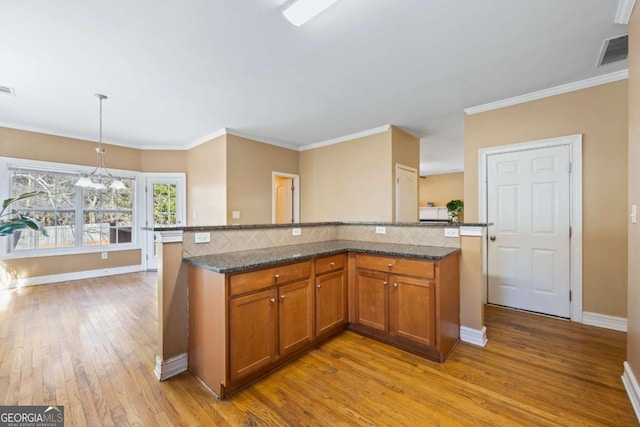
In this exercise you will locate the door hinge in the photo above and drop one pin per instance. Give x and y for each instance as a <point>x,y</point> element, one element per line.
<point>570,167</point>
<point>570,231</point>
<point>570,295</point>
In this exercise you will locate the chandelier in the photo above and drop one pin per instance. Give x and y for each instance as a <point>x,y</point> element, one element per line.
<point>100,176</point>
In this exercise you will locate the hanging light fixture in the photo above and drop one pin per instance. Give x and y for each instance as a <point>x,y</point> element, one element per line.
<point>100,175</point>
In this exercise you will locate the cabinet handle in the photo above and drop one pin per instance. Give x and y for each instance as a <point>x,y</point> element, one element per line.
<point>272,300</point>
<point>282,296</point>
<point>385,283</point>
<point>277,276</point>
<point>395,285</point>
<point>332,263</point>
<point>318,286</point>
<point>389,265</point>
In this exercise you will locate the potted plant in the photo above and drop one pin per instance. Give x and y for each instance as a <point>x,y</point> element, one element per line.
<point>12,221</point>
<point>455,209</point>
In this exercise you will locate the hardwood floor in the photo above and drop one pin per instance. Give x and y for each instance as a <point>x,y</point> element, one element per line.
<point>90,345</point>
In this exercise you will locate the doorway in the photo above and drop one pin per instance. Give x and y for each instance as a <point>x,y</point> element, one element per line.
<point>406,194</point>
<point>165,207</point>
<point>531,194</point>
<point>285,198</point>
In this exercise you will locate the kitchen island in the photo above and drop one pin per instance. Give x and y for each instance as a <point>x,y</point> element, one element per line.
<point>253,311</point>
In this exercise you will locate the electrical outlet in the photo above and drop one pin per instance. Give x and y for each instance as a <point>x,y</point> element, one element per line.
<point>203,237</point>
<point>381,230</point>
<point>104,255</point>
<point>235,214</point>
<point>451,232</point>
<point>296,231</point>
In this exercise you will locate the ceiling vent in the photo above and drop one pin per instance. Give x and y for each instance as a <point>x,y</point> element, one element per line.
<point>614,50</point>
<point>6,90</point>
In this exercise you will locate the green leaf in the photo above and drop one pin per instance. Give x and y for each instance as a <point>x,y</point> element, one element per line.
<point>7,228</point>
<point>33,224</point>
<point>22,196</point>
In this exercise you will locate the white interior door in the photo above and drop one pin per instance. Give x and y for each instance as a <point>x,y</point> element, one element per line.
<point>406,194</point>
<point>528,202</point>
<point>165,207</point>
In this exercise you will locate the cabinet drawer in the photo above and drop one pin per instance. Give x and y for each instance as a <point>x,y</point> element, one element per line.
<point>410,267</point>
<point>331,263</point>
<point>247,282</point>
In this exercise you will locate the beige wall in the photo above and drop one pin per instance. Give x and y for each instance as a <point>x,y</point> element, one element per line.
<point>600,115</point>
<point>163,161</point>
<point>633,313</point>
<point>405,150</point>
<point>441,189</point>
<point>249,177</point>
<point>347,181</point>
<point>207,183</point>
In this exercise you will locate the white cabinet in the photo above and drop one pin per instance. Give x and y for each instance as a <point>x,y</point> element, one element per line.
<point>434,213</point>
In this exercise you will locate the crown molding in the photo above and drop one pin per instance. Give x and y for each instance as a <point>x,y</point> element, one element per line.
<point>45,131</point>
<point>441,172</point>
<point>205,138</point>
<point>625,7</point>
<point>269,141</point>
<point>344,138</point>
<point>545,93</point>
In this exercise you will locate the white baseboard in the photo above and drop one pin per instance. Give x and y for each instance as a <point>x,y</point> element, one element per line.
<point>633,389</point>
<point>604,321</point>
<point>474,336</point>
<point>166,369</point>
<point>77,275</point>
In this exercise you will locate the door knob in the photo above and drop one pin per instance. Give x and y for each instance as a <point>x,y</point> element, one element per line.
<point>318,286</point>
<point>277,276</point>
<point>332,263</point>
<point>282,296</point>
<point>385,283</point>
<point>492,238</point>
<point>272,300</point>
<point>395,285</point>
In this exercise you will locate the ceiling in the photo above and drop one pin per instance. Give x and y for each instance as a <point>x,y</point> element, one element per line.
<point>177,72</point>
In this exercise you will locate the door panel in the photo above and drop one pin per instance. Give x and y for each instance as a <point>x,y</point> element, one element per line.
<point>406,194</point>
<point>296,316</point>
<point>252,332</point>
<point>373,302</point>
<point>412,309</point>
<point>528,202</point>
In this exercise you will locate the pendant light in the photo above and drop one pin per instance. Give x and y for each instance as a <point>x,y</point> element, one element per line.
<point>100,176</point>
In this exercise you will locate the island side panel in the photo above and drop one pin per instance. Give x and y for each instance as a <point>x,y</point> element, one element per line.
<point>449,303</point>
<point>172,302</point>
<point>207,326</point>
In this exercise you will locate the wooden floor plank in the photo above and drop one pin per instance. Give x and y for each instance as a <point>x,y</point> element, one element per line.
<point>90,345</point>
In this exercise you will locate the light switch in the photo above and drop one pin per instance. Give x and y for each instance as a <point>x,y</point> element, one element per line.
<point>235,214</point>
<point>634,213</point>
<point>381,230</point>
<point>451,232</point>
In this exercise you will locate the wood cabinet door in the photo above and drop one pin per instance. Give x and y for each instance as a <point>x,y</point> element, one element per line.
<point>372,305</point>
<point>252,332</point>
<point>296,316</point>
<point>331,301</point>
<point>412,309</point>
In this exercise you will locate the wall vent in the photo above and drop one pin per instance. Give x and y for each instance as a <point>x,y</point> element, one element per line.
<point>6,90</point>
<point>614,49</point>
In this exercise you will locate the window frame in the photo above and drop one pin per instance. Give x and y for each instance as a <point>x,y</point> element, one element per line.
<point>137,206</point>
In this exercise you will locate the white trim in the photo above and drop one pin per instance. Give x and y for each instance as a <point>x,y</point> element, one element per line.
<point>77,275</point>
<point>296,195</point>
<point>474,336</point>
<point>440,171</point>
<point>205,138</point>
<point>604,321</point>
<point>633,389</point>
<point>575,145</point>
<point>152,147</point>
<point>269,141</point>
<point>557,90</point>
<point>471,230</point>
<point>169,236</point>
<point>625,7</point>
<point>166,369</point>
<point>345,138</point>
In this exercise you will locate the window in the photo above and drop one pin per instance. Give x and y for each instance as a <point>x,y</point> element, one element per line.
<point>73,216</point>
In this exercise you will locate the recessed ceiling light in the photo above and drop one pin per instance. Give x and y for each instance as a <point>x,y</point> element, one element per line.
<point>303,10</point>
<point>6,90</point>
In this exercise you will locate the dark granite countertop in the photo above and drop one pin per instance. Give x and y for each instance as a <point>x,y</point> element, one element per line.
<point>316,224</point>
<point>231,262</point>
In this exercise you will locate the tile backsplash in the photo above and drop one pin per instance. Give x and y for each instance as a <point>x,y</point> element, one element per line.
<point>234,240</point>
